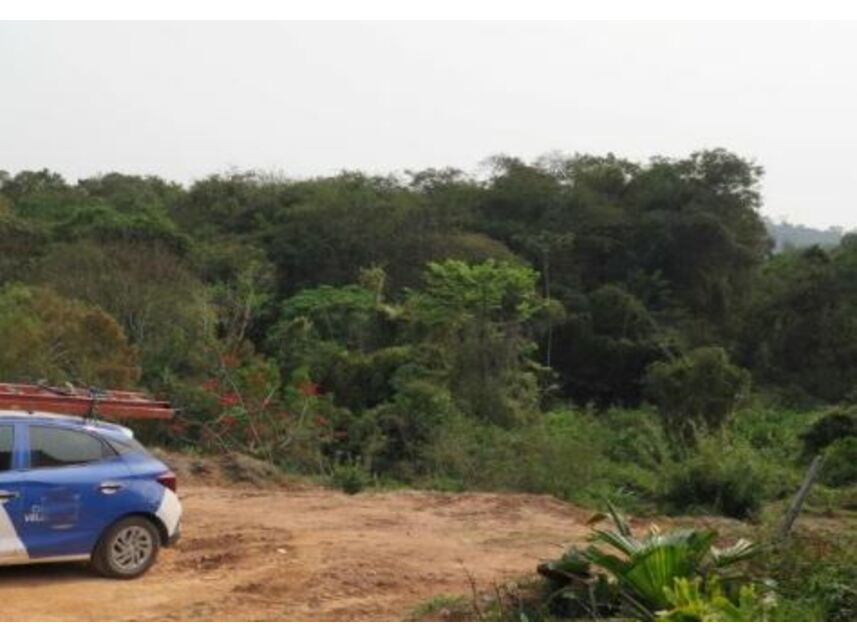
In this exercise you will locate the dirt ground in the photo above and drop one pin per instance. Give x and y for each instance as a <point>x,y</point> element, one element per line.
<point>309,554</point>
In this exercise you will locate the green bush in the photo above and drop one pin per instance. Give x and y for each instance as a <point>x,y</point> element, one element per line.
<point>392,437</point>
<point>553,456</point>
<point>696,394</point>
<point>631,437</point>
<point>574,454</point>
<point>772,430</point>
<point>351,478</point>
<point>830,427</point>
<point>715,480</point>
<point>816,575</point>
<point>835,591</point>
<point>840,463</point>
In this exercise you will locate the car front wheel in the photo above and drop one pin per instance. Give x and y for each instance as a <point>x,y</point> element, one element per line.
<point>127,549</point>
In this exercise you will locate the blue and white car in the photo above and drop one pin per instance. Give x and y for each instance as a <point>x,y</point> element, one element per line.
<point>76,489</point>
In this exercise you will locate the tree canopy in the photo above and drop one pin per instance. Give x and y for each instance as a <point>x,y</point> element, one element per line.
<point>571,279</point>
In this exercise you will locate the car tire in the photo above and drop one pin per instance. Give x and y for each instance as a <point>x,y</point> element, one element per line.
<point>127,549</point>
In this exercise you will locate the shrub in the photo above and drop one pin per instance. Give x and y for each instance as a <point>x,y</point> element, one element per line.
<point>816,575</point>
<point>772,430</point>
<point>830,427</point>
<point>351,478</point>
<point>840,463</point>
<point>632,436</point>
<point>696,394</point>
<point>577,455</point>
<point>713,480</point>
<point>558,456</point>
<point>835,590</point>
<point>391,438</point>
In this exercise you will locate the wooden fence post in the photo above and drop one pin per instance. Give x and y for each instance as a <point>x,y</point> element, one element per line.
<point>800,497</point>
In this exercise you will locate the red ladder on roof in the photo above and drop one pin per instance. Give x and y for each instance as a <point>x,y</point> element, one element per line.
<point>73,400</point>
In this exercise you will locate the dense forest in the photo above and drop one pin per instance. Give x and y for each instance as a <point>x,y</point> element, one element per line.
<point>590,327</point>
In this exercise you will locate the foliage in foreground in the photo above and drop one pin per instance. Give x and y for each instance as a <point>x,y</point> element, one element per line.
<point>690,601</point>
<point>811,576</point>
<point>815,572</point>
<point>659,575</point>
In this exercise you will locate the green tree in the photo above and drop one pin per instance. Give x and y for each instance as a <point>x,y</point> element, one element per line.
<point>801,328</point>
<point>162,306</point>
<point>478,318</point>
<point>21,244</point>
<point>605,346</point>
<point>41,195</point>
<point>133,195</point>
<point>46,337</point>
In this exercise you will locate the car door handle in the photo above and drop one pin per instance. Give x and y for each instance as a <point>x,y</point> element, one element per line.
<point>110,487</point>
<point>5,496</point>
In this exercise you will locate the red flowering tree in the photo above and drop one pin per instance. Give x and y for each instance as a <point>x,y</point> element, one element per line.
<point>252,411</point>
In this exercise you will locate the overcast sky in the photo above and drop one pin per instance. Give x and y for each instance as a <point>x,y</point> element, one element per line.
<point>182,100</point>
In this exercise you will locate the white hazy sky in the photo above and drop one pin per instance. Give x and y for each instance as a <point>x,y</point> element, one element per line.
<point>182,100</point>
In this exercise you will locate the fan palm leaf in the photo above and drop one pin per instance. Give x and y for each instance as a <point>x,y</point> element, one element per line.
<point>741,550</point>
<point>654,571</point>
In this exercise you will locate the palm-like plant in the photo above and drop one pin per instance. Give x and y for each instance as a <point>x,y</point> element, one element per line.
<point>644,570</point>
<point>648,566</point>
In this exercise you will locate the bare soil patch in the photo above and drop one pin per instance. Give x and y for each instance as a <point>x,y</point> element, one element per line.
<point>304,553</point>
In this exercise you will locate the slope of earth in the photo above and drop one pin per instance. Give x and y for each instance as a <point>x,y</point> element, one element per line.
<point>280,553</point>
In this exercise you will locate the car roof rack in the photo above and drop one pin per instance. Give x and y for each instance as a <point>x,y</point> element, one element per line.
<point>86,402</point>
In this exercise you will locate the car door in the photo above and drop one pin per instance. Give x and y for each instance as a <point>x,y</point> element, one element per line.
<point>72,490</point>
<point>12,548</point>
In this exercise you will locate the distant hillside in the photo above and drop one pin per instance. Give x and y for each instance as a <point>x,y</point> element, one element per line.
<point>787,235</point>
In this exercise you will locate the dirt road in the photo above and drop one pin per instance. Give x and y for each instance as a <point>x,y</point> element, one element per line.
<point>309,554</point>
